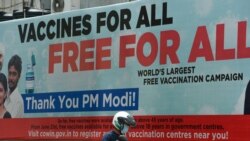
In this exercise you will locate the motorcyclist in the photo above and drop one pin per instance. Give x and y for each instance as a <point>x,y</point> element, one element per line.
<point>121,121</point>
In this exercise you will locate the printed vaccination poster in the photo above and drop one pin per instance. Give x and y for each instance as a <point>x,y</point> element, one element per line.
<point>181,68</point>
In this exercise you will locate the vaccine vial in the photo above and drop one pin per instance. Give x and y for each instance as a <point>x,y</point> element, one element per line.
<point>30,79</point>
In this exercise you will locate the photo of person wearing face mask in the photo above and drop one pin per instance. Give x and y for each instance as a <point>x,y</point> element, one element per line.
<point>121,122</point>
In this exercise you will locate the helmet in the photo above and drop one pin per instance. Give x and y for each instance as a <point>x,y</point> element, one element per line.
<point>121,118</point>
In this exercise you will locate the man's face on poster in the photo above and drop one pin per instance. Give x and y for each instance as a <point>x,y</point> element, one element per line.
<point>13,77</point>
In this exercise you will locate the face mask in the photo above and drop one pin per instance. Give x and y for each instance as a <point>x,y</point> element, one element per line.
<point>125,129</point>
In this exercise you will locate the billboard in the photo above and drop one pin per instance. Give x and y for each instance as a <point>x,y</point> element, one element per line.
<point>180,67</point>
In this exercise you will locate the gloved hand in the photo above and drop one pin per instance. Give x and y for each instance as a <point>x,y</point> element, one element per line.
<point>123,138</point>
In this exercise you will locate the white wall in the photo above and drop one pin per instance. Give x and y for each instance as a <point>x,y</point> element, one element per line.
<point>10,5</point>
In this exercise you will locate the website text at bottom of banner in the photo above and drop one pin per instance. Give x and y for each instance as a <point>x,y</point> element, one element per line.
<point>64,134</point>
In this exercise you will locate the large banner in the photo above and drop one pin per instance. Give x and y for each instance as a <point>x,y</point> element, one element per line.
<point>181,68</point>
